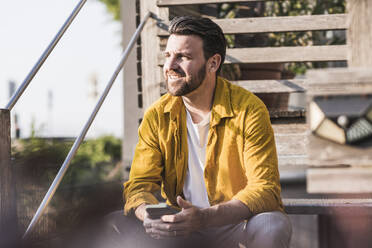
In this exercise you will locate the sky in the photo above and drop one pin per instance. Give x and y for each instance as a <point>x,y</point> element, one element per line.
<point>91,48</point>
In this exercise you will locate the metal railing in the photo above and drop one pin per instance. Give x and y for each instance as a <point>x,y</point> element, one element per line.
<point>57,180</point>
<point>52,189</point>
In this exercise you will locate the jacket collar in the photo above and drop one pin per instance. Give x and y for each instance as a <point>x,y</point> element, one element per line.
<point>221,103</point>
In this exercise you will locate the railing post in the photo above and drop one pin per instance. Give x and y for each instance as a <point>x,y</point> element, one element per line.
<point>8,207</point>
<point>359,35</point>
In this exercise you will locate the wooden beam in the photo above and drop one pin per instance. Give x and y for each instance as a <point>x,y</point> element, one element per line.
<point>168,3</point>
<point>352,76</point>
<point>287,113</point>
<point>359,36</point>
<point>286,54</point>
<point>282,54</point>
<point>132,111</point>
<point>291,141</point>
<point>324,153</point>
<point>272,86</point>
<point>328,206</point>
<point>8,206</point>
<point>339,81</point>
<point>279,24</point>
<point>291,144</point>
<point>339,180</point>
<point>150,47</point>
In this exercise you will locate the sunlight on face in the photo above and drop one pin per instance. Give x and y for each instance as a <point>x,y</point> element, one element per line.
<point>184,67</point>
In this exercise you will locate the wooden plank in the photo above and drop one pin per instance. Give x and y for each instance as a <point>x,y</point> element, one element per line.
<point>278,24</point>
<point>339,180</point>
<point>8,207</point>
<point>287,113</point>
<point>291,144</point>
<point>282,54</point>
<point>328,206</point>
<point>326,153</point>
<point>132,111</point>
<point>359,36</point>
<point>286,54</point>
<point>352,76</point>
<point>150,47</point>
<point>168,3</point>
<point>272,86</point>
<point>291,141</point>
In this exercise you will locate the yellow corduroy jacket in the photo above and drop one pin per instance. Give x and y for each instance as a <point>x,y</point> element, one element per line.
<point>241,160</point>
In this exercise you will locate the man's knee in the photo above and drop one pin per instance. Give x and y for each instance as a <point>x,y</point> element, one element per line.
<point>116,222</point>
<point>270,229</point>
<point>121,231</point>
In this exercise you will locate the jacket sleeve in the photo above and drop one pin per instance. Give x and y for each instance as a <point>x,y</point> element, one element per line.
<point>262,192</point>
<point>145,174</point>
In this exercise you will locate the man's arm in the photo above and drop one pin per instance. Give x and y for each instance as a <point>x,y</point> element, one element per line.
<point>147,166</point>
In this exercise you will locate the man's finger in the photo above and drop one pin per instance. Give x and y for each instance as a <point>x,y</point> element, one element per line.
<point>169,227</point>
<point>147,223</point>
<point>173,218</point>
<point>167,234</point>
<point>183,203</point>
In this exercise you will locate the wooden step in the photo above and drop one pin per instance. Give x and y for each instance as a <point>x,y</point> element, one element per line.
<point>272,86</point>
<point>340,180</point>
<point>281,54</point>
<point>275,24</point>
<point>291,142</point>
<point>287,113</point>
<point>168,3</point>
<point>328,206</point>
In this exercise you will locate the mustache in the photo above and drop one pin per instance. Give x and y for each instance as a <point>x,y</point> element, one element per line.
<point>176,73</point>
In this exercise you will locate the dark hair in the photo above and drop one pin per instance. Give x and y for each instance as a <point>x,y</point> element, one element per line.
<point>213,39</point>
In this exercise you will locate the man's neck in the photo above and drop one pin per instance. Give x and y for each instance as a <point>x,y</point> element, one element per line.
<point>199,102</point>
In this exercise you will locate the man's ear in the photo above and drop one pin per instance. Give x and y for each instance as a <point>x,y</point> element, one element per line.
<point>214,63</point>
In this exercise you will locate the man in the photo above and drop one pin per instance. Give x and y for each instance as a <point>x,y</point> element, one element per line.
<point>209,146</point>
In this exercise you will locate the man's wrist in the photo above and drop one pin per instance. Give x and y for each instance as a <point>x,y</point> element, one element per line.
<point>140,211</point>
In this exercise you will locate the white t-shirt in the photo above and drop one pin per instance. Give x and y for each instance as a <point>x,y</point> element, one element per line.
<point>194,188</point>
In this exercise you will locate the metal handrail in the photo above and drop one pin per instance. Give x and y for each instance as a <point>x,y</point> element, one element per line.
<point>57,180</point>
<point>44,56</point>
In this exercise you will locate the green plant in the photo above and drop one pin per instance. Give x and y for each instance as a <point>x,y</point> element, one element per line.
<point>42,158</point>
<point>113,6</point>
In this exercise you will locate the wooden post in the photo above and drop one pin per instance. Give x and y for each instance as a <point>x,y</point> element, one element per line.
<point>8,208</point>
<point>359,35</point>
<point>132,111</point>
<point>151,75</point>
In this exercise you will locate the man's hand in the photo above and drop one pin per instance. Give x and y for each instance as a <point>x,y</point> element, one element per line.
<point>190,219</point>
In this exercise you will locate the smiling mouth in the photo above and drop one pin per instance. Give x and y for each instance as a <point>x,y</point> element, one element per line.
<point>173,77</point>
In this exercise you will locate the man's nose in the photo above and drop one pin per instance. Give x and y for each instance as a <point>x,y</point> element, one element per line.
<point>171,63</point>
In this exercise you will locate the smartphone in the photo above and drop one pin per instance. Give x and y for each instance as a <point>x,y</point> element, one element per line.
<point>156,211</point>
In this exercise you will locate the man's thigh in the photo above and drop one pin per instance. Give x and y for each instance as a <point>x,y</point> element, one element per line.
<point>270,229</point>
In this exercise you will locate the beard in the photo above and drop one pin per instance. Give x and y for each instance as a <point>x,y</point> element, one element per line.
<point>187,85</point>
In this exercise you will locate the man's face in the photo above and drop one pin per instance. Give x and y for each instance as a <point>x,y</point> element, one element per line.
<point>184,68</point>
